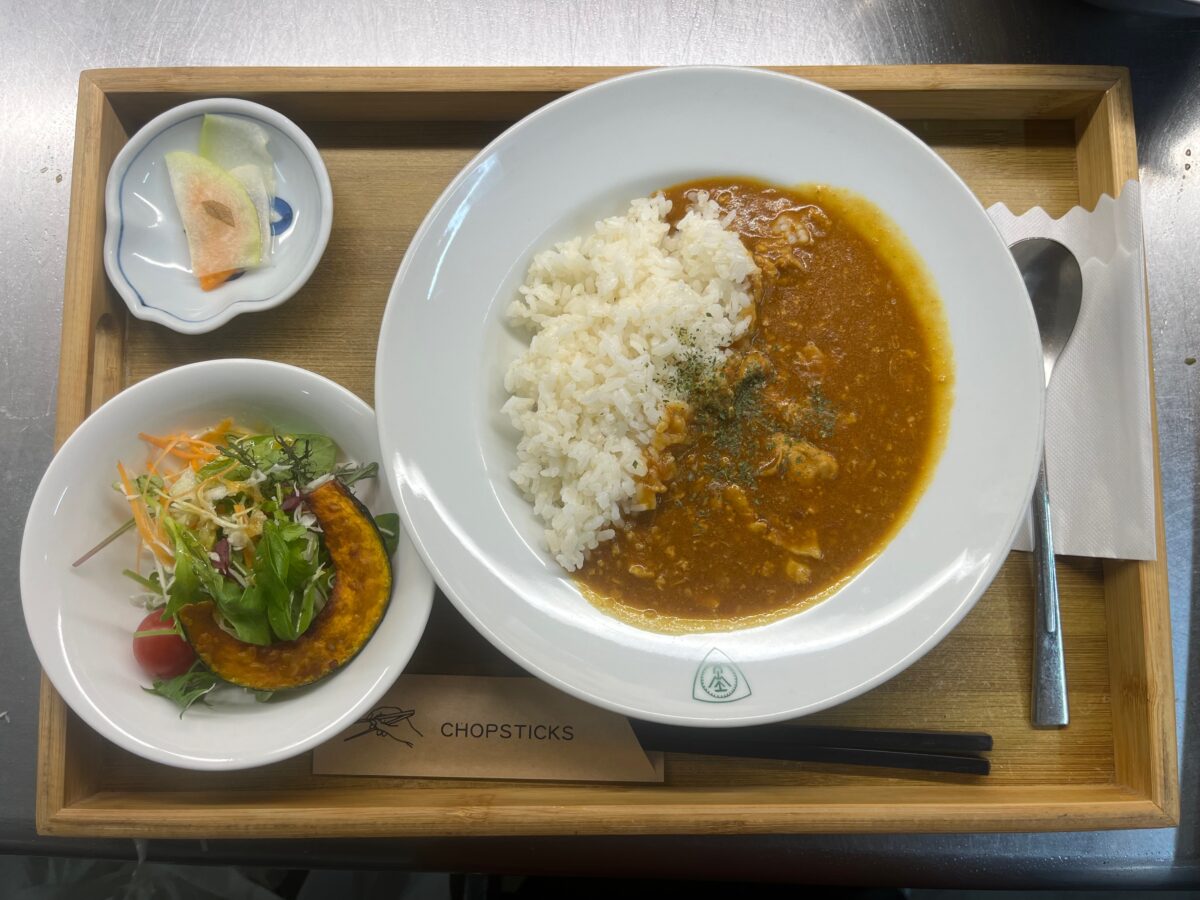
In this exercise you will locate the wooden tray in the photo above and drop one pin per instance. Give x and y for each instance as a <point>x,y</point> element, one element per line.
<point>392,138</point>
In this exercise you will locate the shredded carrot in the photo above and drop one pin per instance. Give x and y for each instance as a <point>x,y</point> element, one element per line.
<point>164,442</point>
<point>141,518</point>
<point>158,461</point>
<point>198,460</point>
<point>196,442</point>
<point>189,456</point>
<point>179,444</point>
<point>248,555</point>
<point>216,279</point>
<point>190,453</point>
<point>216,476</point>
<point>218,431</point>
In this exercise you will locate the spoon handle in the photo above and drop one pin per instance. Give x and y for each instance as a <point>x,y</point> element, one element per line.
<point>1049,674</point>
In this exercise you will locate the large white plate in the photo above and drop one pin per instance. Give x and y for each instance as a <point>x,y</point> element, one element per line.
<point>444,346</point>
<point>82,623</point>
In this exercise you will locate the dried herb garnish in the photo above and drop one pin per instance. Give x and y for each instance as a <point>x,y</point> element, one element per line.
<point>734,412</point>
<point>696,374</point>
<point>299,460</point>
<point>822,416</point>
<point>233,450</point>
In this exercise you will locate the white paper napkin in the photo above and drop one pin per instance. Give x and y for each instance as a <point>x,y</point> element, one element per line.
<point>1099,453</point>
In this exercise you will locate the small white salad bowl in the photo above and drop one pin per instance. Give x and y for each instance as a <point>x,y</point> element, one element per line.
<point>145,249</point>
<point>81,620</point>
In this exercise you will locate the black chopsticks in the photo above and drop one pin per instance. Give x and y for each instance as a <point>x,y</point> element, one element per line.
<point>929,751</point>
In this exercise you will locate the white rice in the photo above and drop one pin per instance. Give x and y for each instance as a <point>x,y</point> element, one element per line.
<point>607,310</point>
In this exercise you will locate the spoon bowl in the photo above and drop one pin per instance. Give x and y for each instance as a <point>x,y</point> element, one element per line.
<point>1055,284</point>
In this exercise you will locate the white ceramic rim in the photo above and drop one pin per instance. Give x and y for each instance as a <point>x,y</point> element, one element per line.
<point>389,448</point>
<point>112,211</point>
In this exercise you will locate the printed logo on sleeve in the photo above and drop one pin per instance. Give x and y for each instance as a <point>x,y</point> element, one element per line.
<point>382,721</point>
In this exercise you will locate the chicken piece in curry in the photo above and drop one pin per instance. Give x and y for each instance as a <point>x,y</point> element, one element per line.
<point>781,469</point>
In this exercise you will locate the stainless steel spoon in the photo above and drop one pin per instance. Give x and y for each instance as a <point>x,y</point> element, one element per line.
<point>1055,285</point>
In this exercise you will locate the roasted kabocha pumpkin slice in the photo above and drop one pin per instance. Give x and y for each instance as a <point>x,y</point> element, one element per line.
<point>361,591</point>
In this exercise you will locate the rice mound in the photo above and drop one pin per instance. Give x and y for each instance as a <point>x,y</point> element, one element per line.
<point>609,313</point>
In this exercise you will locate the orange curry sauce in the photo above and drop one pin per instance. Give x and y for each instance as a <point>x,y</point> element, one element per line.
<point>792,463</point>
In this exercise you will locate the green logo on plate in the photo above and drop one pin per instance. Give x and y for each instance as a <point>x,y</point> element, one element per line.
<point>719,680</point>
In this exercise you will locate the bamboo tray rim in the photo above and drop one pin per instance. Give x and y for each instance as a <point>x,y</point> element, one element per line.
<point>1096,99</point>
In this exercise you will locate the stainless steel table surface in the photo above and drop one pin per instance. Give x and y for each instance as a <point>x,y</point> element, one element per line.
<point>44,44</point>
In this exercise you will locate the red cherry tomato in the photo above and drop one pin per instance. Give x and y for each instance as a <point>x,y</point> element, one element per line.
<point>161,655</point>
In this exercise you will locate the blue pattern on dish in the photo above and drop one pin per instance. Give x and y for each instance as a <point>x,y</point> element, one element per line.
<point>282,209</point>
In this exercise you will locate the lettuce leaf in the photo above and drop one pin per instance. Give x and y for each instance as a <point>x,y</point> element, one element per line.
<point>389,526</point>
<point>187,689</point>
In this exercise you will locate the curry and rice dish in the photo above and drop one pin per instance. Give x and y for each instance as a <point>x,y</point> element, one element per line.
<point>732,399</point>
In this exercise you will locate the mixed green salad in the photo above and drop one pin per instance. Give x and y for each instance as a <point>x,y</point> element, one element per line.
<point>222,516</point>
